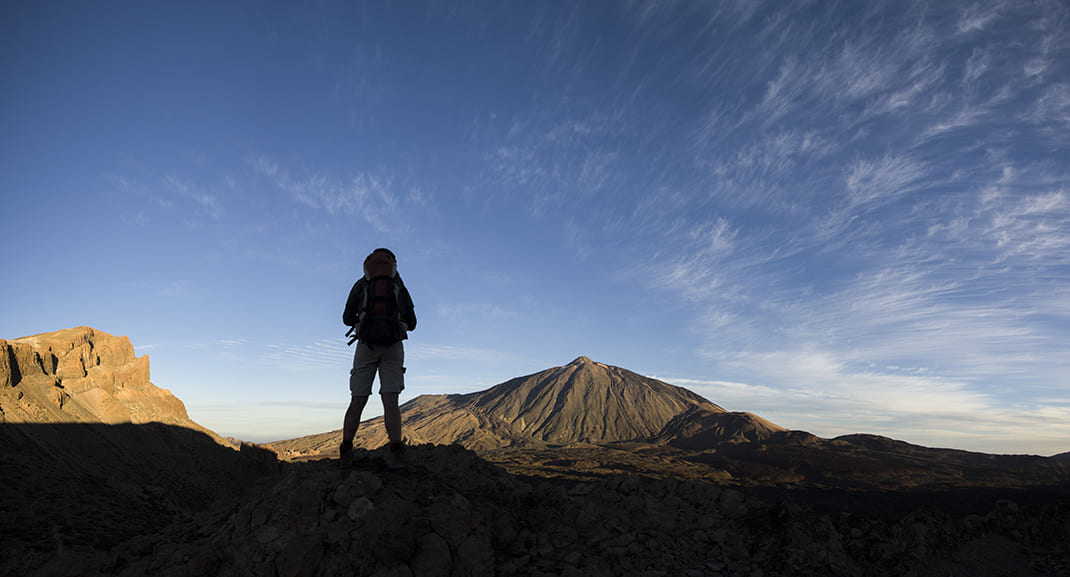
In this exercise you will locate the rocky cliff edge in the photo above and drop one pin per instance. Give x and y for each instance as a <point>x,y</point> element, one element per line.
<point>81,375</point>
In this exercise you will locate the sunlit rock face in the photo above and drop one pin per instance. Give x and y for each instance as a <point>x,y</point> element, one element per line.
<point>81,375</point>
<point>92,454</point>
<point>585,401</point>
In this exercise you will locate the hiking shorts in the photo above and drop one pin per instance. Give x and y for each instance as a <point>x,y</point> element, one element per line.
<point>389,362</point>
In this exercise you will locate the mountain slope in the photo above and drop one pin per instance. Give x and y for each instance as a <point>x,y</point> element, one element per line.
<point>585,401</point>
<point>582,402</point>
<point>700,429</point>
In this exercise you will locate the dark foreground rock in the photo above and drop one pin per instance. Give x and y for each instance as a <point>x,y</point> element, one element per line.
<point>445,511</point>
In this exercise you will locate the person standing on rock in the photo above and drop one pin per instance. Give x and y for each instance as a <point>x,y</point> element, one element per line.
<point>380,313</point>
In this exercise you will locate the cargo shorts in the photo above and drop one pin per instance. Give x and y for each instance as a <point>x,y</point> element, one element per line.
<point>389,362</point>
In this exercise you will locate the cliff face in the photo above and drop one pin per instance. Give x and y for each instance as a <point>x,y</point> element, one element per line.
<point>93,454</point>
<point>81,375</point>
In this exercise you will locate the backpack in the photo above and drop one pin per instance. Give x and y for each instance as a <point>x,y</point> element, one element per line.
<point>380,321</point>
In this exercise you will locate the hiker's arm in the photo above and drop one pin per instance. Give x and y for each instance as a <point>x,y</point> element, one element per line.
<point>407,310</point>
<point>352,311</point>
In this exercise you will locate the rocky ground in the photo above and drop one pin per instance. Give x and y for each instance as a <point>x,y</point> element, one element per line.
<point>446,511</point>
<point>582,470</point>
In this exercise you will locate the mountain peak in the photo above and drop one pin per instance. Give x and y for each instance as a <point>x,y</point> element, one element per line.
<point>582,402</point>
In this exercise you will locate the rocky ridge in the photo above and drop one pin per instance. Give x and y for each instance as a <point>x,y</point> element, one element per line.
<point>82,375</point>
<point>92,453</point>
<point>444,511</point>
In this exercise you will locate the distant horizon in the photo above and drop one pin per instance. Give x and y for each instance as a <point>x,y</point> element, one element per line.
<point>267,439</point>
<point>843,217</point>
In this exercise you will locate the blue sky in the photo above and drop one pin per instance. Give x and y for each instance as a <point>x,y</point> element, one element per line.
<point>842,216</point>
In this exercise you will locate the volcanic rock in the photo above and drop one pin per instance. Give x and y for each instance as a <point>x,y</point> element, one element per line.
<point>700,428</point>
<point>582,402</point>
<point>449,512</point>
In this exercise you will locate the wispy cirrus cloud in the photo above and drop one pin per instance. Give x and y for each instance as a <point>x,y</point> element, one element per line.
<point>420,351</point>
<point>322,354</point>
<point>572,161</point>
<point>1052,111</point>
<point>208,203</point>
<point>169,289</point>
<point>173,193</point>
<point>366,195</point>
<point>824,396</point>
<point>484,312</point>
<point>976,17</point>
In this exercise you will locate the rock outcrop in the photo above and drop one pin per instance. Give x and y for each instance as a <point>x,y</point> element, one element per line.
<point>93,454</point>
<point>81,375</point>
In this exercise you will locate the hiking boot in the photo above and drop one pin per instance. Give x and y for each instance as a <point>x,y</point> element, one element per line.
<point>395,456</point>
<point>345,455</point>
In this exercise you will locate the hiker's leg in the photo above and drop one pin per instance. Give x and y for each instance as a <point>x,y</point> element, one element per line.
<point>365,362</point>
<point>392,417</point>
<point>392,368</point>
<point>352,419</point>
<point>391,383</point>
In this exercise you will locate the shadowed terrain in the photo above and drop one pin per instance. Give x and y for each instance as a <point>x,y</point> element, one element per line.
<point>83,487</point>
<point>444,510</point>
<point>584,469</point>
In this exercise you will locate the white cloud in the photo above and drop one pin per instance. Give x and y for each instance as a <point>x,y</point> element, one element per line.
<point>469,311</point>
<point>332,354</point>
<point>1052,109</point>
<point>874,183</point>
<point>555,160</point>
<point>820,392</point>
<point>732,396</point>
<point>420,351</point>
<point>209,203</point>
<point>977,17</point>
<point>367,195</point>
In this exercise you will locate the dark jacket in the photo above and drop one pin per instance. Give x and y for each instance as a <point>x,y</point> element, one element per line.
<point>356,299</point>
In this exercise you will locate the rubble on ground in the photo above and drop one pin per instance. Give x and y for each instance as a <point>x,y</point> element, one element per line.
<point>447,512</point>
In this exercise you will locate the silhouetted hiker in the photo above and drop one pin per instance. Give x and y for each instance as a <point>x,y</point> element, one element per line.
<point>380,313</point>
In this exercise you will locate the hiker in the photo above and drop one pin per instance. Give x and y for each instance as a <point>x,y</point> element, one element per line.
<point>380,313</point>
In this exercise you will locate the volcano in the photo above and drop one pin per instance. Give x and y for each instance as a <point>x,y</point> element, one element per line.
<point>583,402</point>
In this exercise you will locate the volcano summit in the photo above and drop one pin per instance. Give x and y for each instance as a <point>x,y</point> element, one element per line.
<point>581,402</point>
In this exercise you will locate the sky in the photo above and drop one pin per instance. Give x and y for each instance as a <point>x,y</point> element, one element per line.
<point>841,216</point>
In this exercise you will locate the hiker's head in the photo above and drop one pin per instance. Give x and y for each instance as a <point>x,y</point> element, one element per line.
<point>381,262</point>
<point>387,251</point>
